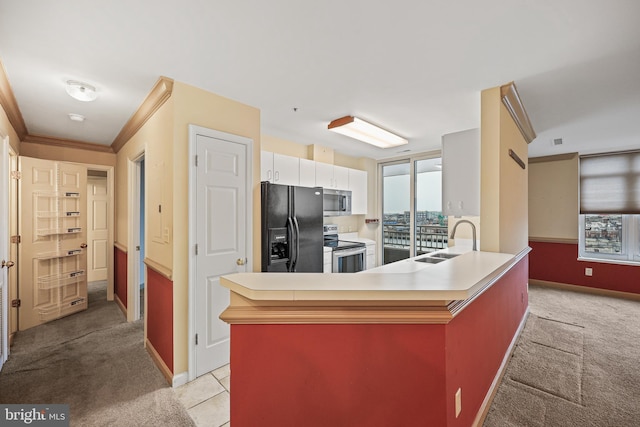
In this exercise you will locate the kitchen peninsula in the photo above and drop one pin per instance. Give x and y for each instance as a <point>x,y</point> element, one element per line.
<point>408,343</point>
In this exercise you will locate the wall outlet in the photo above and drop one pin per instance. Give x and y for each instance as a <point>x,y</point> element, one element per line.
<point>458,402</point>
<point>588,271</point>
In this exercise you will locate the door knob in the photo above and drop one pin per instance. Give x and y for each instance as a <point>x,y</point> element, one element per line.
<point>241,261</point>
<point>83,246</point>
<point>8,264</point>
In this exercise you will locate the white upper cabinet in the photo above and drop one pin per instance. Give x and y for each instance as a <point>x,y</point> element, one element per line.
<point>279,169</point>
<point>330,176</point>
<point>287,170</point>
<point>307,173</point>
<point>341,177</point>
<point>461,173</point>
<point>358,187</point>
<point>324,175</point>
<point>266,166</point>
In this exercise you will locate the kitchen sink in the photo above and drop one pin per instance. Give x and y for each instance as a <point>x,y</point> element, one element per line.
<point>430,260</point>
<point>446,256</point>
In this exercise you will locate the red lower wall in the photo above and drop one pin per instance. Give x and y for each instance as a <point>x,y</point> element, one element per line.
<point>159,314</point>
<point>558,262</point>
<point>375,375</point>
<point>120,266</point>
<point>477,340</point>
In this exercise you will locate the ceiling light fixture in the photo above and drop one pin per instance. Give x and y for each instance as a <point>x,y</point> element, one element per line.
<point>81,91</point>
<point>76,117</point>
<point>354,127</point>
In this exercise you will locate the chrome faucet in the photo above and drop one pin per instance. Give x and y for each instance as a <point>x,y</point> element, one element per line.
<point>473,229</point>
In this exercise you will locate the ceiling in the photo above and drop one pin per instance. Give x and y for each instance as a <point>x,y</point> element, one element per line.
<point>413,67</point>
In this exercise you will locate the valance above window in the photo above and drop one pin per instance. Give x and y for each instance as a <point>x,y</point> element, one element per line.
<point>610,183</point>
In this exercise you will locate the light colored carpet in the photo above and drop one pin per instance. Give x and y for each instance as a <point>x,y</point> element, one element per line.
<point>95,362</point>
<point>575,364</point>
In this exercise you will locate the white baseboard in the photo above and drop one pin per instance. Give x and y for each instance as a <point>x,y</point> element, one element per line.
<point>180,379</point>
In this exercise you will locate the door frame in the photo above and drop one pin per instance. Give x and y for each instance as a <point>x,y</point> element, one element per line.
<point>110,223</point>
<point>5,193</point>
<point>133,257</point>
<point>194,131</point>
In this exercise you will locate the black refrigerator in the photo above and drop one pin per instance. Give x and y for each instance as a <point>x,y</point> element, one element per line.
<point>292,239</point>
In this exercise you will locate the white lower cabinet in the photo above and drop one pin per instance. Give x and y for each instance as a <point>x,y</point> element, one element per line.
<point>327,260</point>
<point>371,255</point>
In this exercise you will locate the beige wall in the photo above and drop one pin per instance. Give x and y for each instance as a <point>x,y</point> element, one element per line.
<point>553,198</point>
<point>67,154</point>
<point>201,108</point>
<point>504,184</point>
<point>164,139</point>
<point>283,146</point>
<point>154,139</point>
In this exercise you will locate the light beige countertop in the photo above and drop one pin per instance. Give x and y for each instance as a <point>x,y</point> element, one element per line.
<point>459,278</point>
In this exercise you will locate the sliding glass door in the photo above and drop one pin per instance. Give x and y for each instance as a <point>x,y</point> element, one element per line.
<point>396,211</point>
<point>430,226</point>
<point>412,218</point>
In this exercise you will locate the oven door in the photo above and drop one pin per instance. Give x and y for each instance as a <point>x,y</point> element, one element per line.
<point>349,260</point>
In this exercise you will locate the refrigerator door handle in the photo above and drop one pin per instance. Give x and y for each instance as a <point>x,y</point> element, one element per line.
<point>295,262</point>
<point>292,250</point>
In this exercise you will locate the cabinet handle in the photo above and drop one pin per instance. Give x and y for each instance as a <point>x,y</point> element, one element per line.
<point>277,175</point>
<point>7,264</point>
<point>269,175</point>
<point>83,246</point>
<point>241,261</point>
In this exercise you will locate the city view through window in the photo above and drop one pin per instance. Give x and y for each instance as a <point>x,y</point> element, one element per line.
<point>430,228</point>
<point>603,234</point>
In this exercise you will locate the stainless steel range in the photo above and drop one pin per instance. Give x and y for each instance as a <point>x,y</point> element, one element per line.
<point>347,257</point>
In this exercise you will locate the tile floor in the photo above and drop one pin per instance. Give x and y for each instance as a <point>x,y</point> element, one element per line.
<point>207,398</point>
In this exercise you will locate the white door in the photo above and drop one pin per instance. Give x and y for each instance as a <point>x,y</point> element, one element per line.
<point>4,248</point>
<point>222,189</point>
<point>97,231</point>
<point>52,227</point>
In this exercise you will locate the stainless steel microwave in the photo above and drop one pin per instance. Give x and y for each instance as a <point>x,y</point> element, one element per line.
<point>336,202</point>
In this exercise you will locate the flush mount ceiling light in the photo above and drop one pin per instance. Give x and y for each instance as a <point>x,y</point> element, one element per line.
<point>76,117</point>
<point>81,91</point>
<point>366,132</point>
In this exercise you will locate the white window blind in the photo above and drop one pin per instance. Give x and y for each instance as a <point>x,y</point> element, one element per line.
<point>610,183</point>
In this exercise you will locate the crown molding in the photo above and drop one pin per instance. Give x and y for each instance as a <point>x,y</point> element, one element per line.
<point>511,100</point>
<point>66,143</point>
<point>10,105</point>
<point>553,158</point>
<point>159,94</point>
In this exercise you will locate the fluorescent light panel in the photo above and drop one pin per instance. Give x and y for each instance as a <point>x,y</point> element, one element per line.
<point>356,128</point>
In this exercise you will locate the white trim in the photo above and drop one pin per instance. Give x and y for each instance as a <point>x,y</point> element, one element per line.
<point>133,256</point>
<point>180,379</point>
<point>4,224</point>
<point>608,261</point>
<point>193,132</point>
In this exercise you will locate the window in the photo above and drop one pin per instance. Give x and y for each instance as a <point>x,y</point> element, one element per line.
<point>412,228</point>
<point>610,206</point>
<point>613,237</point>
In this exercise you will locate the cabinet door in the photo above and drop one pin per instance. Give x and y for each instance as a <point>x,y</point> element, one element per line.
<point>371,255</point>
<point>324,175</point>
<point>307,173</point>
<point>461,173</point>
<point>358,187</point>
<point>266,166</point>
<point>341,177</point>
<point>286,170</point>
